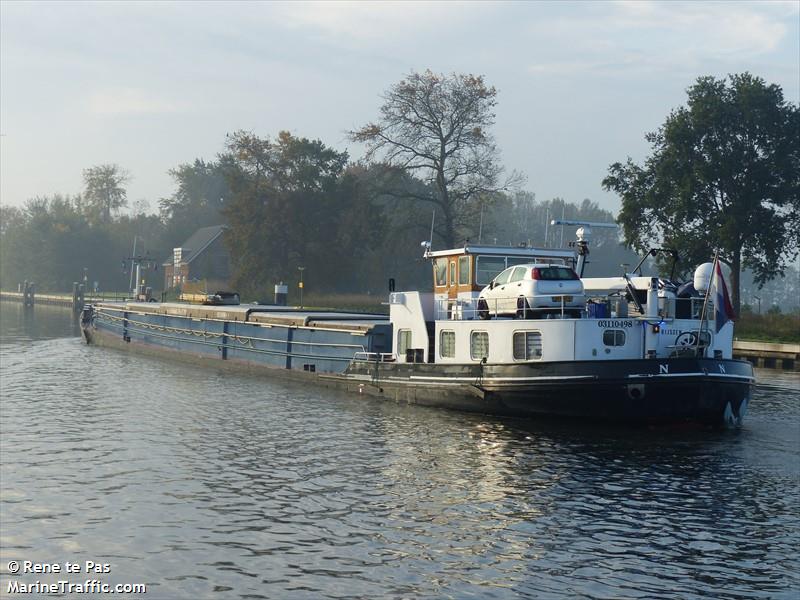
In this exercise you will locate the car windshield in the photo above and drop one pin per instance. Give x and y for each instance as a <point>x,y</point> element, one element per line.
<point>503,277</point>
<point>519,274</point>
<point>554,273</point>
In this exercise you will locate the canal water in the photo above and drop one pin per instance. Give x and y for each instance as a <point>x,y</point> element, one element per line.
<point>207,484</point>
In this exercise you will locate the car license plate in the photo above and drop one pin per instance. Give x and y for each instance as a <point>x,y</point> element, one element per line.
<point>558,298</point>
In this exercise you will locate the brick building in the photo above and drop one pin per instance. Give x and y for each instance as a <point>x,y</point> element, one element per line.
<point>202,257</point>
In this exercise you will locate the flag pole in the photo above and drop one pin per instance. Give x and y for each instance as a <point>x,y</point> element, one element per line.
<point>705,301</point>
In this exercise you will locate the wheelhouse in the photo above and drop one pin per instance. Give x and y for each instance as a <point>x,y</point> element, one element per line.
<point>460,274</point>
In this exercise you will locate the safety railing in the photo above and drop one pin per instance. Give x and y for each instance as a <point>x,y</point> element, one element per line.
<point>559,307</point>
<point>375,356</point>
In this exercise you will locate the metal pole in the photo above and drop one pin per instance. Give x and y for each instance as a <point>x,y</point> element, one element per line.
<point>705,301</point>
<point>301,269</point>
<point>480,227</point>
<point>546,223</point>
<point>130,284</point>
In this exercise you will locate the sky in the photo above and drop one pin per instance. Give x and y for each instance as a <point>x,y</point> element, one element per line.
<point>152,85</point>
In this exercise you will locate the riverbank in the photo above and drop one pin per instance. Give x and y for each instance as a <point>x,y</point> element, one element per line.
<point>771,328</point>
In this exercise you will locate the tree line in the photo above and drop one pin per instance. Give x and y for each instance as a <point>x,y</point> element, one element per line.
<point>287,202</point>
<point>723,174</point>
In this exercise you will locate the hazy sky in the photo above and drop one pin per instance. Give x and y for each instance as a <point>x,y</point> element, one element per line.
<point>153,85</point>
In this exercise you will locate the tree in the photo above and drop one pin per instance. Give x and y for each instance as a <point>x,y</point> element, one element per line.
<point>437,127</point>
<point>281,207</point>
<point>724,174</point>
<point>104,192</point>
<point>198,200</point>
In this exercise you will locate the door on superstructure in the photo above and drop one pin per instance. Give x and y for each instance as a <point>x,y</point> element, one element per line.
<point>452,281</point>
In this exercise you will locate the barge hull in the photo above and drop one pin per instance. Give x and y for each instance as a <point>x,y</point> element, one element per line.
<point>707,391</point>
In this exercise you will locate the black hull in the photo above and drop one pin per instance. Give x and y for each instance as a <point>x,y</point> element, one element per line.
<point>706,391</point>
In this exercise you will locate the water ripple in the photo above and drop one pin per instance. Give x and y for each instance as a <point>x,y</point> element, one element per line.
<point>202,483</point>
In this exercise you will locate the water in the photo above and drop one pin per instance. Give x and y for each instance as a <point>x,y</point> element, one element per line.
<point>206,484</point>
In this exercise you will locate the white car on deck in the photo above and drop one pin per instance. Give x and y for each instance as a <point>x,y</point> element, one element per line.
<point>533,291</point>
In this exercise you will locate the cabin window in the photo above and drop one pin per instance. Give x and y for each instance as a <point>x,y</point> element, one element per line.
<point>447,344</point>
<point>518,260</point>
<point>403,341</point>
<point>453,273</point>
<point>463,270</point>
<point>440,271</point>
<point>486,267</point>
<point>614,337</point>
<point>479,345</point>
<point>527,345</point>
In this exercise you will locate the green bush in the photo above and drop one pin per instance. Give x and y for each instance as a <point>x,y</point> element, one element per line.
<point>771,327</point>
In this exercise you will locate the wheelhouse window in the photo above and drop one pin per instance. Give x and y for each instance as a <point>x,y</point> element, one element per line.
<point>447,344</point>
<point>527,345</point>
<point>440,271</point>
<point>486,267</point>
<point>479,345</point>
<point>452,272</point>
<point>614,337</point>
<point>403,341</point>
<point>518,260</point>
<point>463,271</point>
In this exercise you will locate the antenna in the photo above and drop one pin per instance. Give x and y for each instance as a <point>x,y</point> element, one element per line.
<point>428,243</point>
<point>546,222</point>
<point>480,228</point>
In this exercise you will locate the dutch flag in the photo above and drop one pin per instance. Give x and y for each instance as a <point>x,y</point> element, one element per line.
<point>723,309</point>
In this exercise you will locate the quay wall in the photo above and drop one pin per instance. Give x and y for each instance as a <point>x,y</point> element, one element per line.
<point>73,301</point>
<point>768,355</point>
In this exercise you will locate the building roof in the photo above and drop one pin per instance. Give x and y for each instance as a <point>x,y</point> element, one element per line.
<point>197,242</point>
<point>523,251</point>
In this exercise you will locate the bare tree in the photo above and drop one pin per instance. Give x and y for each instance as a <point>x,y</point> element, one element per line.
<point>104,191</point>
<point>436,126</point>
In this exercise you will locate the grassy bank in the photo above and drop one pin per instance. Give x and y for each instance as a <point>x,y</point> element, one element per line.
<point>769,328</point>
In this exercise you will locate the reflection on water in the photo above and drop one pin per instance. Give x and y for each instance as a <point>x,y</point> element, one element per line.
<point>204,483</point>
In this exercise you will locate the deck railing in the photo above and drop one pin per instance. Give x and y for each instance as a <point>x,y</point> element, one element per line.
<point>463,309</point>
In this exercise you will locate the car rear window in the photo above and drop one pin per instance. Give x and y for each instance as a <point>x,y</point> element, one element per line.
<point>554,273</point>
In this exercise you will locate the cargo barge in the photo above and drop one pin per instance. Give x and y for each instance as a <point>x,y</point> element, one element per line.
<point>624,349</point>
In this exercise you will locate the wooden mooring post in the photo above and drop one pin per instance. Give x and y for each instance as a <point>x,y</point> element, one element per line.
<point>28,293</point>
<point>77,297</point>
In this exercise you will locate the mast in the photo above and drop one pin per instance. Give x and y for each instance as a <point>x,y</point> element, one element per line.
<point>705,301</point>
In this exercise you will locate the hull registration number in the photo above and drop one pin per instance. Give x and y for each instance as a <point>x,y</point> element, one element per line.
<point>614,323</point>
